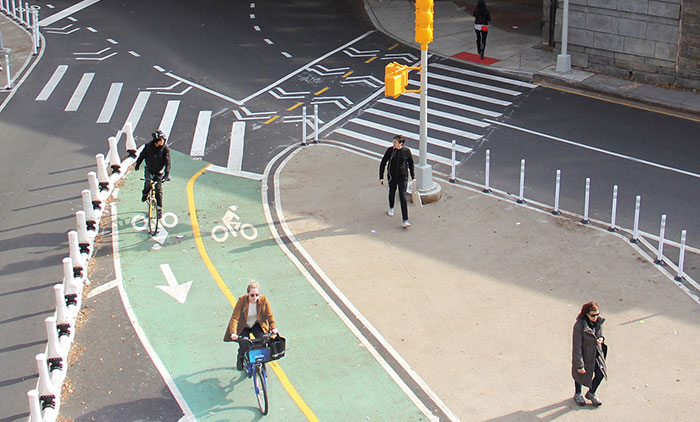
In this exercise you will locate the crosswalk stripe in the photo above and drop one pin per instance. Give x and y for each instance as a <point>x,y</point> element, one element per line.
<point>393,131</point>
<point>483,75</point>
<point>79,92</point>
<point>201,131</point>
<point>433,126</point>
<point>52,83</point>
<point>137,109</point>
<point>474,84</point>
<point>166,123</point>
<point>235,149</point>
<point>456,105</point>
<point>465,94</point>
<point>110,102</point>
<point>386,144</point>
<point>455,117</point>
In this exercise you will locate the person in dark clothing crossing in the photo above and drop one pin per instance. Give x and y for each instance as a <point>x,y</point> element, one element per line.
<point>482,17</point>
<point>588,365</point>
<point>157,157</point>
<point>400,162</point>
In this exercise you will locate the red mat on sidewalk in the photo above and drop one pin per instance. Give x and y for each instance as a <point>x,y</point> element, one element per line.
<point>471,57</point>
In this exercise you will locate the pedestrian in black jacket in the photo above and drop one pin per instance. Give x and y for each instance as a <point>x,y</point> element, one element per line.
<point>400,162</point>
<point>482,17</point>
<point>157,157</point>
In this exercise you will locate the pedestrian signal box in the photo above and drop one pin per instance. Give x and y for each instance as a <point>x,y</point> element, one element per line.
<point>396,79</point>
<point>424,22</point>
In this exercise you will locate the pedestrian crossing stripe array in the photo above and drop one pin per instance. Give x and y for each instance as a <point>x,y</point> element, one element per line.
<point>460,104</point>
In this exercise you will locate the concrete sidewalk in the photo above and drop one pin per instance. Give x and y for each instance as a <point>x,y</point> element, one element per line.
<point>19,41</point>
<point>480,296</point>
<point>517,50</point>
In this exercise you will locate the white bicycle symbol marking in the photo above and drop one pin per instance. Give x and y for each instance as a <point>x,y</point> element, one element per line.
<point>247,231</point>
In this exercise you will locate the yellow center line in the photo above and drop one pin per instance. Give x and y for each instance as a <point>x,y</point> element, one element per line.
<point>305,409</point>
<point>348,74</point>
<point>394,46</point>
<point>294,106</point>
<point>271,119</point>
<point>371,59</point>
<point>322,91</point>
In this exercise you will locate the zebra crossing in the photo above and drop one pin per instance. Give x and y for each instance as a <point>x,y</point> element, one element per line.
<point>107,113</point>
<point>460,102</point>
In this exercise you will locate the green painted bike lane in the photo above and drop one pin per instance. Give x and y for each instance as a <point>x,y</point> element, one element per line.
<point>329,370</point>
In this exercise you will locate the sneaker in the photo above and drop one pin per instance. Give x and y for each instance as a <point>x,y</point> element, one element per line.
<point>482,56</point>
<point>578,398</point>
<point>593,398</point>
<point>390,213</point>
<point>406,224</point>
<point>144,198</point>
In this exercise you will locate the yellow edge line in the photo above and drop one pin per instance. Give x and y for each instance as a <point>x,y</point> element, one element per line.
<point>271,119</point>
<point>305,409</point>
<point>348,74</point>
<point>570,91</point>
<point>393,46</point>
<point>322,91</point>
<point>294,106</point>
<point>370,60</point>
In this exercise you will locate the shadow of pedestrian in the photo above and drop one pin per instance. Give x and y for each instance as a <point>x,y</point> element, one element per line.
<point>543,414</point>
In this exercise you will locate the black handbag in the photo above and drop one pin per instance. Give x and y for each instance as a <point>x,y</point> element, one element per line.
<point>277,347</point>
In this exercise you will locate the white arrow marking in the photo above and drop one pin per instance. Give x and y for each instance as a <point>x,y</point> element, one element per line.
<point>62,33</point>
<point>288,95</point>
<point>99,59</point>
<point>93,53</point>
<point>353,52</point>
<point>260,115</point>
<point>368,79</point>
<point>177,291</point>
<point>342,98</point>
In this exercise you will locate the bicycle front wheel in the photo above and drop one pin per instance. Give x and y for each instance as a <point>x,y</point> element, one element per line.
<point>261,389</point>
<point>152,216</point>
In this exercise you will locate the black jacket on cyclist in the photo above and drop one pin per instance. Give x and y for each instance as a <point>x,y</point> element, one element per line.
<point>157,158</point>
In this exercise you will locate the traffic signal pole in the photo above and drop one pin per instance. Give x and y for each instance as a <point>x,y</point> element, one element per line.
<point>424,175</point>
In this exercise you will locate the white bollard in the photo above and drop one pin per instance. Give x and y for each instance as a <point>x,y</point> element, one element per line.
<point>34,406</point>
<point>62,321</point>
<point>487,171</point>
<point>662,232</point>
<point>613,212</point>
<point>521,199</point>
<point>54,350</point>
<point>453,170</point>
<point>586,201</point>
<point>315,123</point>
<point>303,126</point>
<point>35,29</point>
<point>114,162</point>
<point>28,22</point>
<point>14,9</point>
<point>130,144</point>
<point>635,230</point>
<point>94,191</point>
<point>7,71</point>
<point>102,176</point>
<point>88,209</point>
<point>76,257</point>
<point>557,185</point>
<point>72,287</point>
<point>84,240</point>
<point>47,391</point>
<point>681,258</point>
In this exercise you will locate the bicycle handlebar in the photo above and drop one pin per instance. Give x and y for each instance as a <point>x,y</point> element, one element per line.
<point>265,337</point>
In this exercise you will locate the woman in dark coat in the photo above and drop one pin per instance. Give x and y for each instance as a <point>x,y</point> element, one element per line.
<point>589,350</point>
<point>482,17</point>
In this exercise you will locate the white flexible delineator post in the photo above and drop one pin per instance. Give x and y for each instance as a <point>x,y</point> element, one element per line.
<point>94,191</point>
<point>34,406</point>
<point>613,212</point>
<point>453,166</point>
<point>102,176</point>
<point>72,290</point>
<point>635,230</point>
<point>487,172</point>
<point>681,257</point>
<point>84,239</point>
<point>586,201</point>
<point>79,263</point>
<point>89,210</point>
<point>56,353</point>
<point>303,126</point>
<point>557,188</point>
<point>114,161</point>
<point>130,144</point>
<point>48,394</point>
<point>662,232</point>
<point>521,197</point>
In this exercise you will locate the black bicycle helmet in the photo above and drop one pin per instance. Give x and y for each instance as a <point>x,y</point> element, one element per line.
<point>158,135</point>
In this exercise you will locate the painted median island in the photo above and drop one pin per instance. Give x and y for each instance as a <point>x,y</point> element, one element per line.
<point>215,235</point>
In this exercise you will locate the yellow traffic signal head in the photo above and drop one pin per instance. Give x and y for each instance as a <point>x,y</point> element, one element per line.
<point>424,21</point>
<point>395,79</point>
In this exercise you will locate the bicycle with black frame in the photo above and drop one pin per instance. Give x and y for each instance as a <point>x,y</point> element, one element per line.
<point>154,213</point>
<point>258,352</point>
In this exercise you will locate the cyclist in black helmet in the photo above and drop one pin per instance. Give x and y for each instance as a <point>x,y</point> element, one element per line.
<point>157,157</point>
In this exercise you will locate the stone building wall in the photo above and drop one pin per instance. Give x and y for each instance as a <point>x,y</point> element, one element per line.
<point>655,41</point>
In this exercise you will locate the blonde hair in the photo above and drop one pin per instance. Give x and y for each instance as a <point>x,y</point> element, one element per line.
<point>253,285</point>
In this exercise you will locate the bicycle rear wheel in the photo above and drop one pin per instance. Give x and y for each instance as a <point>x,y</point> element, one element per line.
<point>261,389</point>
<point>152,215</point>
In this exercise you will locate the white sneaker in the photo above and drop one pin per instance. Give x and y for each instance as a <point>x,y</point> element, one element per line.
<point>390,213</point>
<point>406,224</point>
